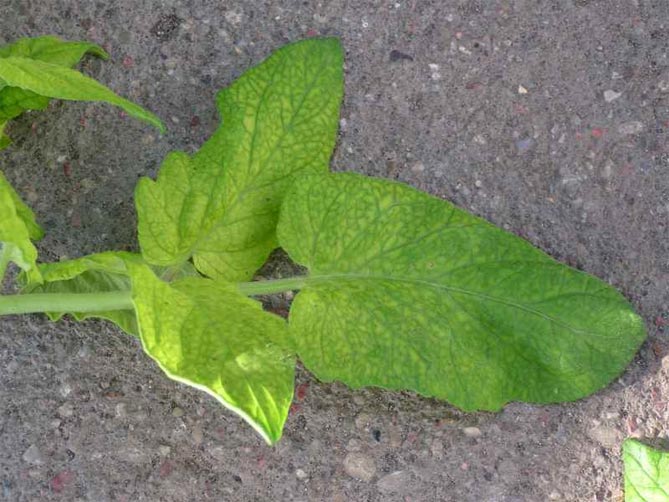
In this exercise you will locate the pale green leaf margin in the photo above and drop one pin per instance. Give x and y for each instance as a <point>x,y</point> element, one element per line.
<point>646,472</point>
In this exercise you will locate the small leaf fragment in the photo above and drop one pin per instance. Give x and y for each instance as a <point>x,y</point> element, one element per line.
<point>407,291</point>
<point>97,273</point>
<point>221,206</point>
<point>646,472</point>
<point>54,81</point>
<point>18,229</point>
<point>207,335</point>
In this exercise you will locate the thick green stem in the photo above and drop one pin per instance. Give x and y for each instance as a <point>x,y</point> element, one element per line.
<point>117,300</point>
<point>65,302</point>
<point>271,286</point>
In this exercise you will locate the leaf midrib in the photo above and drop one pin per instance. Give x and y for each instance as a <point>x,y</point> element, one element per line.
<point>334,278</point>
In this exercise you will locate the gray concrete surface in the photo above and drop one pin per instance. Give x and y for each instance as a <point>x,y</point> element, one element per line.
<point>548,118</point>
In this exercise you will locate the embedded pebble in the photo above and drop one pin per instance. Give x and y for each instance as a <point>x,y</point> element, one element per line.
<point>522,90</point>
<point>301,475</point>
<point>177,412</point>
<point>360,466</point>
<point>362,421</point>
<point>611,95</point>
<point>608,437</point>
<point>629,128</point>
<point>472,432</point>
<point>164,450</point>
<point>33,456</point>
<point>524,144</point>
<point>394,482</point>
<point>66,410</point>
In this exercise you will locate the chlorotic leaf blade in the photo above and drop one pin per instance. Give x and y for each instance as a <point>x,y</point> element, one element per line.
<point>207,335</point>
<point>18,229</point>
<point>407,291</point>
<point>220,206</point>
<point>646,472</point>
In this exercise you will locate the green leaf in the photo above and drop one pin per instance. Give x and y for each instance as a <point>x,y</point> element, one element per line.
<point>13,100</point>
<point>207,335</point>
<point>17,229</point>
<point>53,50</point>
<point>53,81</point>
<point>98,273</point>
<point>406,291</point>
<point>646,473</point>
<point>4,139</point>
<point>221,206</point>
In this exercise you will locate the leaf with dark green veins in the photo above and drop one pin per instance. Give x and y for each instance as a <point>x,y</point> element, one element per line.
<point>18,229</point>
<point>646,473</point>
<point>221,205</point>
<point>54,81</point>
<point>98,273</point>
<point>207,335</point>
<point>406,291</point>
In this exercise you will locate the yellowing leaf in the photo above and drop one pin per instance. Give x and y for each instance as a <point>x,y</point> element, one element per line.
<point>220,207</point>
<point>646,473</point>
<point>207,335</point>
<point>406,291</point>
<point>17,229</point>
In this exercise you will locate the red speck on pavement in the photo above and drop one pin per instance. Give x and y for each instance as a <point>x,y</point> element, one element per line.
<point>165,469</point>
<point>294,408</point>
<point>67,169</point>
<point>195,121</point>
<point>312,33</point>
<point>128,62</point>
<point>301,391</point>
<point>60,481</point>
<point>597,132</point>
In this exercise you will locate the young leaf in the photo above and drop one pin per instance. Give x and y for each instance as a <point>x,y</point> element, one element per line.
<point>406,291</point>
<point>207,335</point>
<point>13,100</point>
<point>98,273</point>
<point>17,229</point>
<point>52,50</point>
<point>221,206</point>
<point>55,81</point>
<point>646,473</point>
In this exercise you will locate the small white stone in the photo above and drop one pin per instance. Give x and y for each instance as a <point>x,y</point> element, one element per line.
<point>393,482</point>
<point>33,456</point>
<point>522,90</point>
<point>61,158</point>
<point>66,410</point>
<point>301,475</point>
<point>611,95</point>
<point>360,466</point>
<point>472,432</point>
<point>478,183</point>
<point>630,128</point>
<point>164,450</point>
<point>418,167</point>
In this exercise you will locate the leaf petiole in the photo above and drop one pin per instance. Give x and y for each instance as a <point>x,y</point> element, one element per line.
<point>115,300</point>
<point>65,302</point>
<point>271,286</point>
